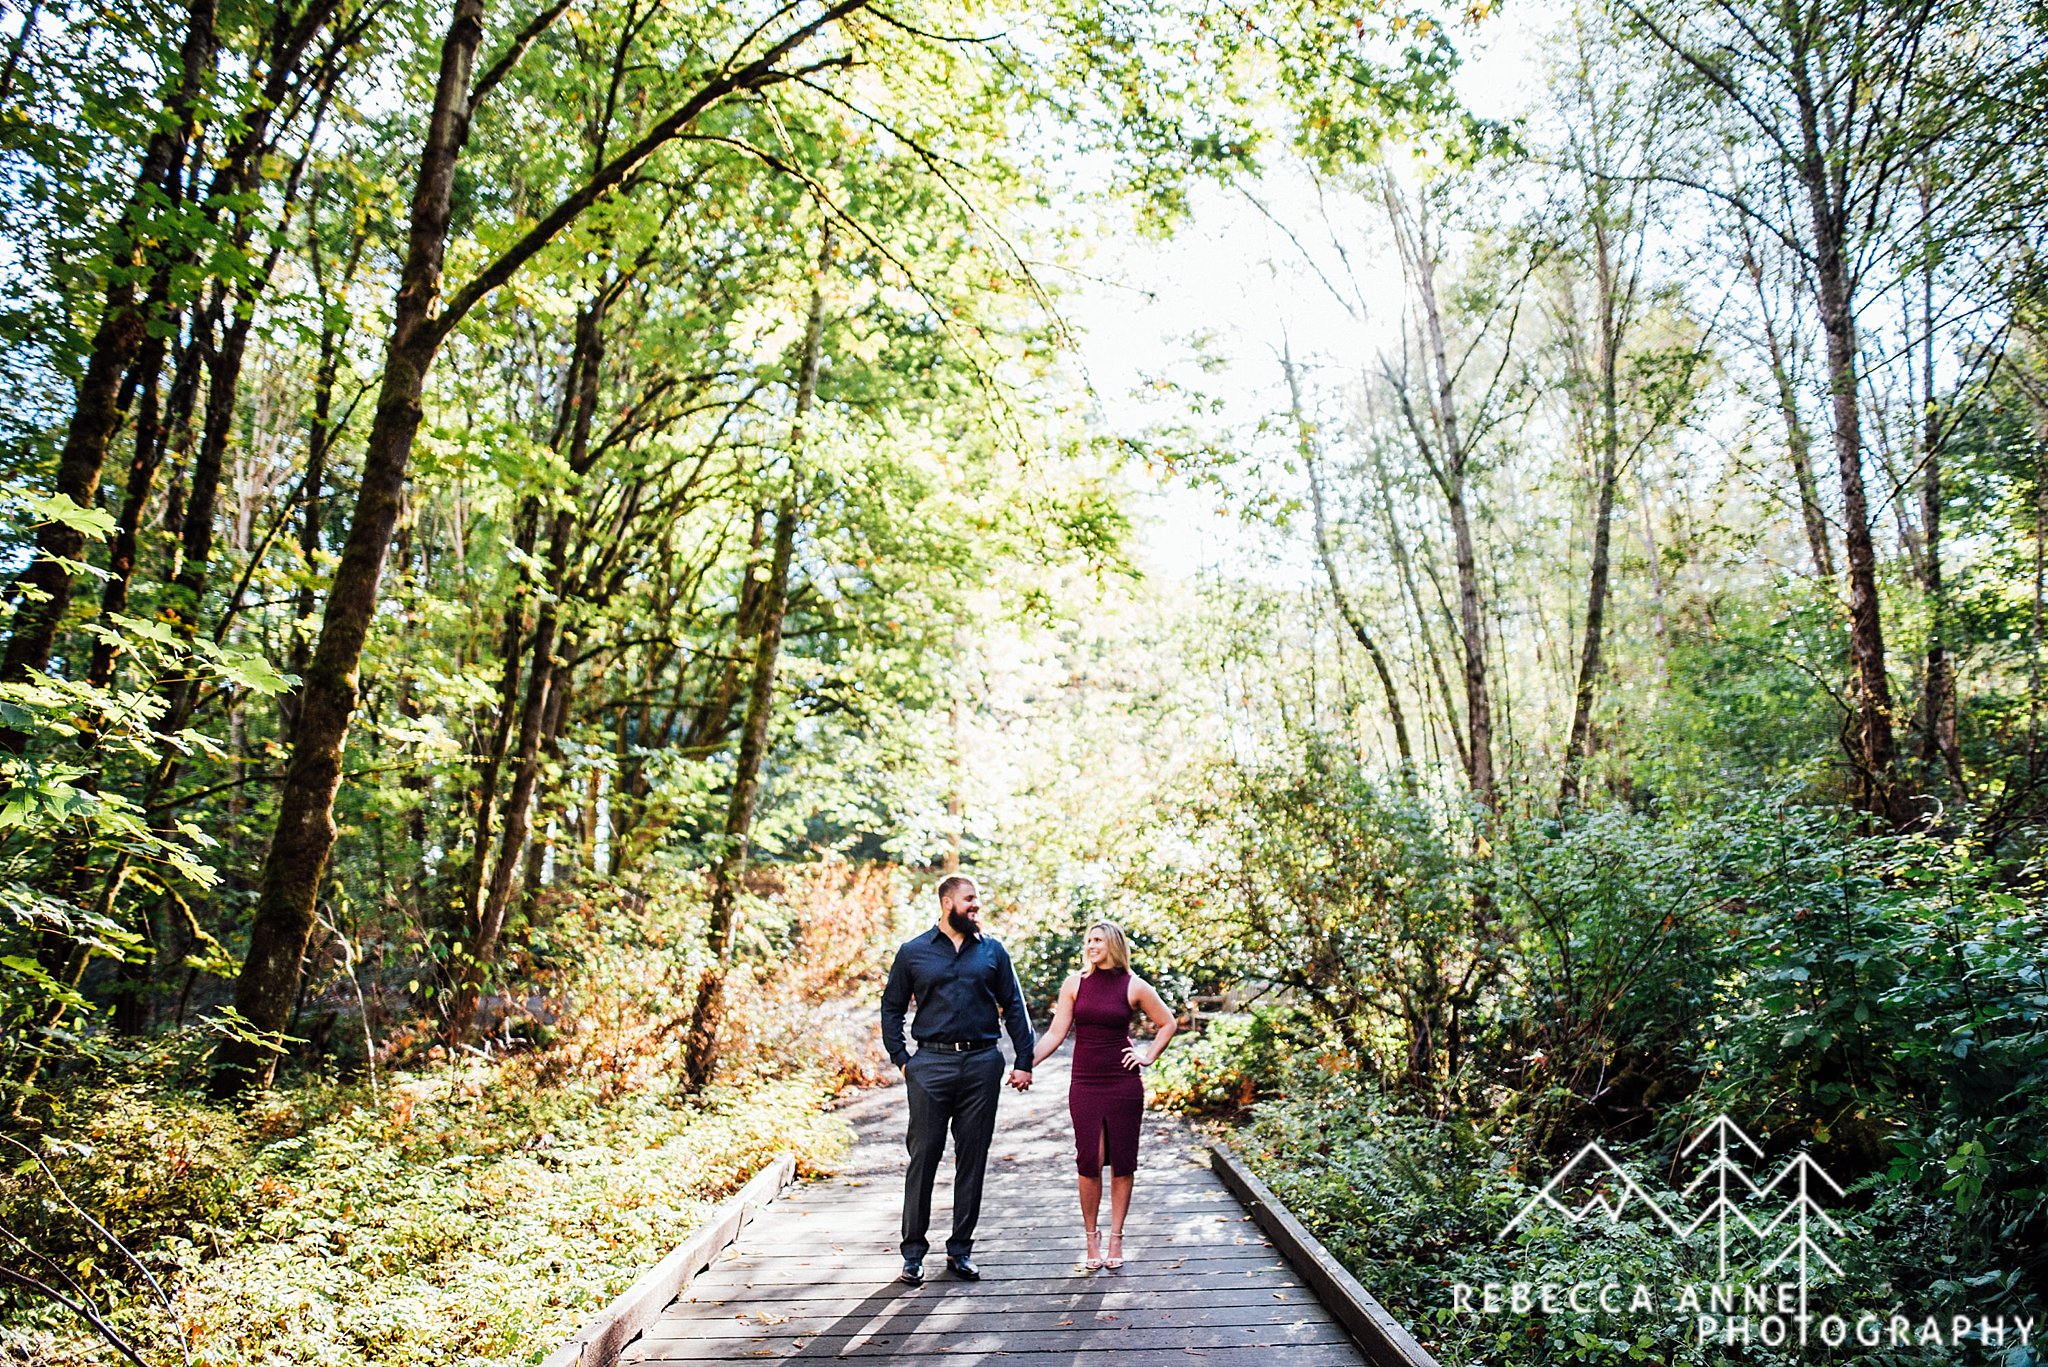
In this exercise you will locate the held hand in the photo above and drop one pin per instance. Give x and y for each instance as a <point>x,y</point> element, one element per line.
<point>1020,1079</point>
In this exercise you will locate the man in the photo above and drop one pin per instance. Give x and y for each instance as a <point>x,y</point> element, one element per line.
<point>960,979</point>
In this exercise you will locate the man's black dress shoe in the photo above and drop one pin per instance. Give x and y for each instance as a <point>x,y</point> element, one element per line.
<point>964,1269</point>
<point>912,1274</point>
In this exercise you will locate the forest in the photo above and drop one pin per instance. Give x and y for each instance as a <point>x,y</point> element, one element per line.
<point>534,533</point>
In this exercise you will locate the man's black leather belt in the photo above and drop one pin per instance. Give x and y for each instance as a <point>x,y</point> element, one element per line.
<point>956,1046</point>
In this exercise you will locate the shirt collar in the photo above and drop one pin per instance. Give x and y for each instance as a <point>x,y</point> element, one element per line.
<point>939,937</point>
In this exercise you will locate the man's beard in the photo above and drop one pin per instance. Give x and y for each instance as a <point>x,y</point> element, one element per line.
<point>966,927</point>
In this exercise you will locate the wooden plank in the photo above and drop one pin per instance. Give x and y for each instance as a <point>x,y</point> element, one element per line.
<point>1298,1355</point>
<point>996,1255</point>
<point>1227,1277</point>
<point>969,1313</point>
<point>1382,1337</point>
<point>599,1342</point>
<point>998,1264</point>
<point>1104,1296</point>
<point>1078,1337</point>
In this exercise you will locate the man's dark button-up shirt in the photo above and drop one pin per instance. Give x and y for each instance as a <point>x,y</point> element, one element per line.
<point>958,994</point>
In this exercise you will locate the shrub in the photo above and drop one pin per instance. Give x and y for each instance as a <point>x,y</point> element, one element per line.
<point>1233,1061</point>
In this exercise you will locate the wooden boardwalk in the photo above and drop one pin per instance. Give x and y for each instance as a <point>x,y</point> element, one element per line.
<point>814,1275</point>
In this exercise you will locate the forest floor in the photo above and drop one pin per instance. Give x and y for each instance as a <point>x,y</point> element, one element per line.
<point>475,1212</point>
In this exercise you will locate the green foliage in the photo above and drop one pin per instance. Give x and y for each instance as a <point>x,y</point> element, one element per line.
<point>1891,1003</point>
<point>1351,894</point>
<point>1233,1061</point>
<point>1416,1207</point>
<point>1875,999</point>
<point>59,827</point>
<point>479,1210</point>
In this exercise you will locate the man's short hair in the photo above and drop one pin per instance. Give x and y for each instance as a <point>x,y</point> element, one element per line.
<point>950,882</point>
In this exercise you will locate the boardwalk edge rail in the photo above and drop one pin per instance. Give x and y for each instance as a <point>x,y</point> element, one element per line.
<point>599,1343</point>
<point>1381,1337</point>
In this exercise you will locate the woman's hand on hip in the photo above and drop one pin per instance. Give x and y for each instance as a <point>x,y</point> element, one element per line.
<point>1134,1058</point>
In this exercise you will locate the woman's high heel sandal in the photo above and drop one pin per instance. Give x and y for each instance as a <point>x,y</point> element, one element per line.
<point>1093,1262</point>
<point>1116,1259</point>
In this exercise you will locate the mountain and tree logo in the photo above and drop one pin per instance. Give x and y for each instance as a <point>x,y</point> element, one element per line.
<point>1596,1186</point>
<point>1771,1248</point>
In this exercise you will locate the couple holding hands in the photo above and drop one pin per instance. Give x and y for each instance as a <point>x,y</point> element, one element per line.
<point>961,981</point>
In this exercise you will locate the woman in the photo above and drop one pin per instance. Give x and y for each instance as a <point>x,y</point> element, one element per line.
<point>1106,1097</point>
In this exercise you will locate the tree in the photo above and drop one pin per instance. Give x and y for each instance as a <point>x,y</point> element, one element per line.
<point>1842,102</point>
<point>1625,388</point>
<point>1446,437</point>
<point>1361,630</point>
<point>421,322</point>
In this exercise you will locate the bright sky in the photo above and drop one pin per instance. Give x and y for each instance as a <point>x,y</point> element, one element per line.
<point>1234,280</point>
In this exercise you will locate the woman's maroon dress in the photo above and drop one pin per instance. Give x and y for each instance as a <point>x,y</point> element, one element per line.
<point>1106,1099</point>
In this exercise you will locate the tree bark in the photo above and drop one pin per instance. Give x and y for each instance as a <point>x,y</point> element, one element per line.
<point>1798,439</point>
<point>320,439</point>
<point>1425,638</point>
<point>297,860</point>
<point>1578,741</point>
<point>1450,473</point>
<point>1835,291</point>
<point>142,468</point>
<point>1938,742</point>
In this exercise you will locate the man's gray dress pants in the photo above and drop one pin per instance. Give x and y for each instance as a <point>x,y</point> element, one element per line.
<point>961,1091</point>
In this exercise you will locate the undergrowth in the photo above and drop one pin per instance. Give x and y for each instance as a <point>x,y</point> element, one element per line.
<point>444,1210</point>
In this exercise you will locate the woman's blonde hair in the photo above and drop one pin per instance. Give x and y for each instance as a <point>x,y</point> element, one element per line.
<point>1119,944</point>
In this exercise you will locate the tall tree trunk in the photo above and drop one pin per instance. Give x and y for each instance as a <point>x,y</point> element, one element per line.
<point>1426,639</point>
<point>297,860</point>
<point>1451,477</point>
<point>132,975</point>
<point>1798,439</point>
<point>706,1013</point>
<point>533,714</point>
<point>323,432</point>
<point>1938,743</point>
<point>559,693</point>
<point>1835,291</point>
<point>142,468</point>
<point>511,652</point>
<point>1799,452</point>
<point>1578,741</point>
<point>195,561</point>
<point>44,591</point>
<point>1361,630</point>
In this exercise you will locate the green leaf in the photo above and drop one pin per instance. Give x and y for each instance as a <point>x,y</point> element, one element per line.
<point>92,522</point>
<point>255,673</point>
